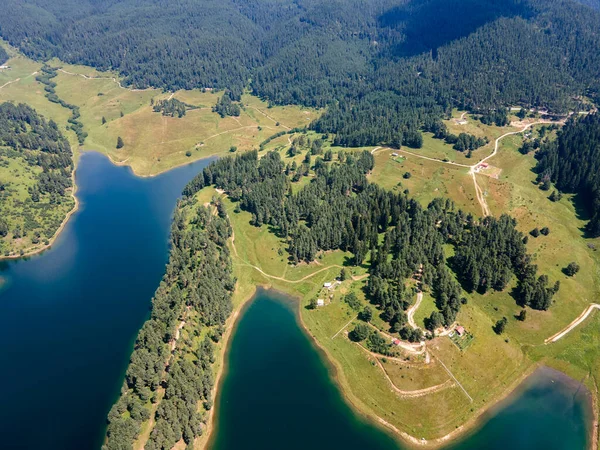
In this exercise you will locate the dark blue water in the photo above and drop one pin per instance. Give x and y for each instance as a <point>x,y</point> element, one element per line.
<point>68,318</point>
<point>278,394</point>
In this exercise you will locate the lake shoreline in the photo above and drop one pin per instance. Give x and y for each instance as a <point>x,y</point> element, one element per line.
<point>60,229</point>
<point>475,423</point>
<point>471,426</point>
<point>207,439</point>
<point>125,163</point>
<point>76,206</point>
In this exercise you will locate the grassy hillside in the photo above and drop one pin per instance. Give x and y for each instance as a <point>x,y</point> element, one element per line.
<point>488,366</point>
<point>153,143</point>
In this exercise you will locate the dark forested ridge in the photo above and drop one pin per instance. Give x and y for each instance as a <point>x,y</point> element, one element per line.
<point>572,162</point>
<point>340,210</point>
<point>195,291</point>
<point>385,66</point>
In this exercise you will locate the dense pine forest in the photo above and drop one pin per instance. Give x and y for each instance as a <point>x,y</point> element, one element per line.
<point>340,210</point>
<point>384,67</point>
<point>195,291</point>
<point>572,162</point>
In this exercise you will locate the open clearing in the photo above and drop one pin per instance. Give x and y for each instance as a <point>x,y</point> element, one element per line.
<point>155,143</point>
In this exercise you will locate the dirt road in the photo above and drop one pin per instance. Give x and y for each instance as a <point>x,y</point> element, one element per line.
<point>584,315</point>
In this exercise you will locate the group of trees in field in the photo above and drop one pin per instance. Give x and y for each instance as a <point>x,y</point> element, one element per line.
<point>171,107</point>
<point>488,255</point>
<point>340,210</point>
<point>45,77</point>
<point>226,106</point>
<point>26,134</point>
<point>572,163</point>
<point>463,142</point>
<point>383,67</point>
<point>196,289</point>
<point>466,142</point>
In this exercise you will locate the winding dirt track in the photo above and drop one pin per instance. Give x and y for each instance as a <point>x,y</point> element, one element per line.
<point>409,394</point>
<point>10,82</point>
<point>472,169</point>
<point>478,191</point>
<point>246,263</point>
<point>113,79</point>
<point>410,314</point>
<point>584,315</point>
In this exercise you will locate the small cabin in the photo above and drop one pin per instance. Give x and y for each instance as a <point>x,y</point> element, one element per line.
<point>327,285</point>
<point>394,154</point>
<point>484,165</point>
<point>320,302</point>
<point>396,342</point>
<point>460,331</point>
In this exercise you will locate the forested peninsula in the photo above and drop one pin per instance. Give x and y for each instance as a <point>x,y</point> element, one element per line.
<point>170,376</point>
<point>169,381</point>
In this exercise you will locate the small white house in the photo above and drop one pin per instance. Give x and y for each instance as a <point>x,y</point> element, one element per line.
<point>320,302</point>
<point>394,154</point>
<point>327,285</point>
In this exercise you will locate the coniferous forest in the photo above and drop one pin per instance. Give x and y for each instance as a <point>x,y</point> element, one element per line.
<point>195,292</point>
<point>572,162</point>
<point>26,134</point>
<point>383,67</point>
<point>340,210</point>
<point>3,56</point>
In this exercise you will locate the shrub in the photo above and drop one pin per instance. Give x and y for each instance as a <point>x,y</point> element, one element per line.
<point>571,269</point>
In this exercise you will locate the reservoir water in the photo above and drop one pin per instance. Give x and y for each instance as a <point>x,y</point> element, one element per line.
<point>68,319</point>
